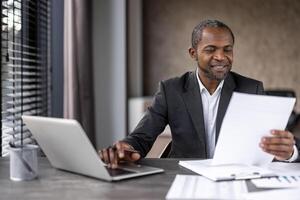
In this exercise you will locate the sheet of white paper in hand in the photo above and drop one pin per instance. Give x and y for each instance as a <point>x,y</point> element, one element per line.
<point>248,118</point>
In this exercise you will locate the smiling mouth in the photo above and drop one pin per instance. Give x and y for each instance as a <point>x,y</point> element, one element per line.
<point>219,67</point>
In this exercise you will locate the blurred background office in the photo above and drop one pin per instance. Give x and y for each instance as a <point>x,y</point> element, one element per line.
<point>157,36</point>
<point>107,56</point>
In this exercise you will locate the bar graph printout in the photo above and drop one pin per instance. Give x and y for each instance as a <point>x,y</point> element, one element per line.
<point>284,181</point>
<point>288,176</point>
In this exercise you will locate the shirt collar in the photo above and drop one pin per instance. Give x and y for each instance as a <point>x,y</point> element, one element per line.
<point>203,88</point>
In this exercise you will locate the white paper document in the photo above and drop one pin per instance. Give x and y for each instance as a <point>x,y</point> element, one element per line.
<point>285,168</point>
<point>226,172</point>
<point>237,156</point>
<point>286,181</point>
<point>197,187</point>
<point>288,176</point>
<point>248,118</point>
<point>279,194</point>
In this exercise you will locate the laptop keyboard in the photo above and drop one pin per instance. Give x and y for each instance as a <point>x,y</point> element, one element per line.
<point>118,172</point>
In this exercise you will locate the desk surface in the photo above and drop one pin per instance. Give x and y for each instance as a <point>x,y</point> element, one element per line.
<point>57,184</point>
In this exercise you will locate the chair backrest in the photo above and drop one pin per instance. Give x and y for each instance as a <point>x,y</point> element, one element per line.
<point>281,93</point>
<point>161,144</point>
<point>165,153</point>
<point>294,118</point>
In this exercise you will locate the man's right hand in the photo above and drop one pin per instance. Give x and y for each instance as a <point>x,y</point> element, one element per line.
<point>120,151</point>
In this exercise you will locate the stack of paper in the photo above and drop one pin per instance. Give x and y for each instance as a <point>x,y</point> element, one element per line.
<point>197,187</point>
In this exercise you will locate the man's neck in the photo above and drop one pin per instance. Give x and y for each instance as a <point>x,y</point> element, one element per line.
<point>210,85</point>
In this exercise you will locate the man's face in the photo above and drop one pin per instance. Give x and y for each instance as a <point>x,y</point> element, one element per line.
<point>214,54</point>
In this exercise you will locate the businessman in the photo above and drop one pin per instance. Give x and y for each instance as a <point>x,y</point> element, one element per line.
<point>194,105</point>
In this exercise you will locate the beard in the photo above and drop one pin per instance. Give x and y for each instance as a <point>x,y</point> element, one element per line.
<point>216,72</point>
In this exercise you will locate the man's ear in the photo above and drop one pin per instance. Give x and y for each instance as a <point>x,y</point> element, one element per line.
<point>193,53</point>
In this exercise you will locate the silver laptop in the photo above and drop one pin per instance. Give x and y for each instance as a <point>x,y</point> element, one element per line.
<point>68,148</point>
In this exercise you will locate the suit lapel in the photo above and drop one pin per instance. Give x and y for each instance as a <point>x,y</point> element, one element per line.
<point>193,102</point>
<point>227,90</point>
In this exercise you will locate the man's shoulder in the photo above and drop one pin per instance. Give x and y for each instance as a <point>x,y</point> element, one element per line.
<point>240,79</point>
<point>245,84</point>
<point>178,81</point>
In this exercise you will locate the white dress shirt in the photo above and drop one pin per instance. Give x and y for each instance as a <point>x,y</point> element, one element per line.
<point>210,104</point>
<point>294,156</point>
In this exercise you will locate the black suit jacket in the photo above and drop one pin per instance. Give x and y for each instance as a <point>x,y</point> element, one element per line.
<point>178,103</point>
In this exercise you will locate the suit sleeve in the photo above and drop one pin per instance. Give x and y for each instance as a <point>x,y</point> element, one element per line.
<point>151,125</point>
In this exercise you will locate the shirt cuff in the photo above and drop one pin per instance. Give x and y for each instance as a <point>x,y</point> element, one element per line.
<point>294,156</point>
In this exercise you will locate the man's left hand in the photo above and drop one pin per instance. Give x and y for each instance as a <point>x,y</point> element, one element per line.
<point>280,144</point>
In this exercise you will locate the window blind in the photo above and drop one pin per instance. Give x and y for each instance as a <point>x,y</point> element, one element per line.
<point>25,67</point>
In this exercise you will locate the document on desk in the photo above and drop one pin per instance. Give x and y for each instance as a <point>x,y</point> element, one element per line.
<point>226,172</point>
<point>198,187</point>
<point>248,118</point>
<point>286,181</point>
<point>285,168</point>
<point>288,176</point>
<point>278,194</point>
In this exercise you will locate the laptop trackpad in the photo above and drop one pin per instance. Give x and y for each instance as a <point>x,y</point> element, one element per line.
<point>119,171</point>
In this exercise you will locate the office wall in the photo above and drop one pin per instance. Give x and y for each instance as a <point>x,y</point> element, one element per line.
<point>267,39</point>
<point>109,64</point>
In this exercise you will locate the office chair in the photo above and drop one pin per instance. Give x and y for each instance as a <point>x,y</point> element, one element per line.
<point>294,119</point>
